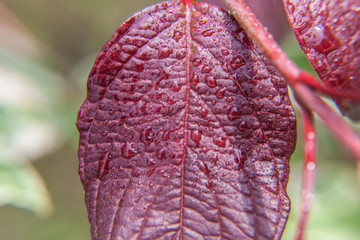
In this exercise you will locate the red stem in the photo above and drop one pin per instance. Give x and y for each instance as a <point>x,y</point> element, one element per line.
<point>309,172</point>
<point>342,131</point>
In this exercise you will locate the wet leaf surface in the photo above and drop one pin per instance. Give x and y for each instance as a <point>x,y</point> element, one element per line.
<point>328,33</point>
<point>186,131</point>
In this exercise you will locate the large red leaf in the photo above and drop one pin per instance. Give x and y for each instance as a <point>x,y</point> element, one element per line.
<point>186,131</point>
<point>329,33</point>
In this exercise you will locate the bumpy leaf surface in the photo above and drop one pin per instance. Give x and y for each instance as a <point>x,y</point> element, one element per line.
<point>186,131</point>
<point>329,33</point>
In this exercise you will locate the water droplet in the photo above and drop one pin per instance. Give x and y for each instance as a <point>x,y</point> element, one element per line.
<point>227,163</point>
<point>176,89</point>
<point>177,35</point>
<point>195,80</point>
<point>203,112</point>
<point>202,22</point>
<point>215,159</point>
<point>321,66</point>
<point>290,7</point>
<point>149,135</point>
<point>239,158</point>
<point>300,28</point>
<point>242,125</point>
<point>206,69</point>
<point>220,93</point>
<point>208,184</point>
<point>311,166</point>
<point>229,99</point>
<point>237,62</point>
<point>338,61</point>
<point>196,62</point>
<point>208,33</point>
<point>204,168</point>
<point>221,142</point>
<point>233,114</point>
<point>128,151</point>
<point>151,162</point>
<point>136,173</point>
<point>325,39</point>
<point>225,52</point>
<point>210,81</point>
<point>204,150</point>
<point>311,135</point>
<point>196,136</point>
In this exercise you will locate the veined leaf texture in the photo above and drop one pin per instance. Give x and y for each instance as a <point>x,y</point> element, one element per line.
<point>186,131</point>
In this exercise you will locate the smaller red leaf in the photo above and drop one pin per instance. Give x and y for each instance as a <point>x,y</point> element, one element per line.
<point>329,33</point>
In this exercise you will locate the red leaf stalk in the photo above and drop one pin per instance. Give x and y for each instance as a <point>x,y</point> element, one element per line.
<point>309,175</point>
<point>342,131</point>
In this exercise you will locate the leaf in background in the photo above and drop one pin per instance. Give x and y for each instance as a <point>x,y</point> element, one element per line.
<point>30,107</point>
<point>21,185</point>
<point>328,33</point>
<point>186,131</point>
<point>30,93</point>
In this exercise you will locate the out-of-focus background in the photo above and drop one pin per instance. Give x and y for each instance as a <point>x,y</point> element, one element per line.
<point>46,51</point>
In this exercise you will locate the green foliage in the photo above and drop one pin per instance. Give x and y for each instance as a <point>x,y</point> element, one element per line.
<point>21,185</point>
<point>29,129</point>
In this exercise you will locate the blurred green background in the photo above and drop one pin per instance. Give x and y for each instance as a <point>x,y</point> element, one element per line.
<point>46,51</point>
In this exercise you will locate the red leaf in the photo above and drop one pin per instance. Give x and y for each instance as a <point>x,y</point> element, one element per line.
<point>186,131</point>
<point>328,33</point>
